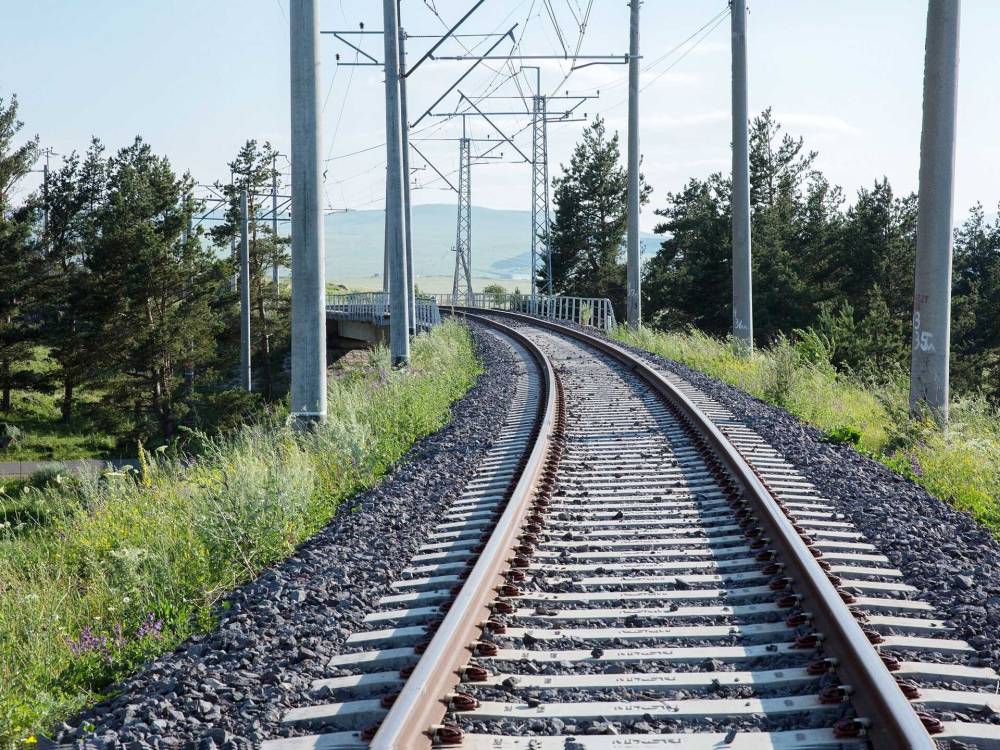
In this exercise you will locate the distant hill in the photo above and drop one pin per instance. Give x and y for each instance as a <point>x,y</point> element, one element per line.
<point>501,242</point>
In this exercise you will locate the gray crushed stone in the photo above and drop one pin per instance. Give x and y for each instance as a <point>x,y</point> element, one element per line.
<point>229,688</point>
<point>951,559</point>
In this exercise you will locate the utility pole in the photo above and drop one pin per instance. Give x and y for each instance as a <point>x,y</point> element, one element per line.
<point>246,375</point>
<point>929,374</point>
<point>463,234</point>
<point>274,217</point>
<point>399,308</point>
<point>308,271</point>
<point>45,197</point>
<point>742,278</point>
<point>634,295</point>
<point>405,129</point>
<point>185,239</point>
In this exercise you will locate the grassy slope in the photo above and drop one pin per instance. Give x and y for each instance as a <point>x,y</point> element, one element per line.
<point>119,570</point>
<point>961,465</point>
<point>45,436</point>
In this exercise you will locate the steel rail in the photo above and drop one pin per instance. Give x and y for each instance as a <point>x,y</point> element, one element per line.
<point>423,701</point>
<point>892,722</point>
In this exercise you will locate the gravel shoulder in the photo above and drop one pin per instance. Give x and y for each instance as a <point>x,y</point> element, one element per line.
<point>229,688</point>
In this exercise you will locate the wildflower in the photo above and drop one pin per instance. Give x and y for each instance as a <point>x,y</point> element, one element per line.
<point>151,626</point>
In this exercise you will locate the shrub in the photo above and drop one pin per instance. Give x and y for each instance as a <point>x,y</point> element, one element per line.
<point>10,436</point>
<point>843,434</point>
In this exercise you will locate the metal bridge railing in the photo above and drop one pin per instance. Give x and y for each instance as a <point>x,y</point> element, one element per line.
<point>595,312</point>
<point>373,307</point>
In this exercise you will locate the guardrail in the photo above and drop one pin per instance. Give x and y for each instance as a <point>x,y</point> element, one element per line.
<point>595,312</point>
<point>373,307</point>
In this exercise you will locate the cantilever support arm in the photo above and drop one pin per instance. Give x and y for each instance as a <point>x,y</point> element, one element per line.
<point>510,33</point>
<point>431,165</point>
<point>439,42</point>
<point>495,127</point>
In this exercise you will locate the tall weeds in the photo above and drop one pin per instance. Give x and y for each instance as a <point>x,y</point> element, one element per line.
<point>109,571</point>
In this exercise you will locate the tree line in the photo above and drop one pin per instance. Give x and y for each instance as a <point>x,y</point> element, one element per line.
<point>843,269</point>
<point>107,274</point>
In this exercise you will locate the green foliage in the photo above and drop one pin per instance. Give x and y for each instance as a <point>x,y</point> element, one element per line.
<point>121,569</point>
<point>843,434</point>
<point>10,436</point>
<point>495,290</point>
<point>960,464</point>
<point>840,277</point>
<point>588,230</point>
<point>19,256</point>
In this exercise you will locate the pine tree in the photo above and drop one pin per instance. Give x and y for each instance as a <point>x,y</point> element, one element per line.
<point>976,305</point>
<point>74,202</point>
<point>692,270</point>
<point>155,291</point>
<point>18,254</point>
<point>588,231</point>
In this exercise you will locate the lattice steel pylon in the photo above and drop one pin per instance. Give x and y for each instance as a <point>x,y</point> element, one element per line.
<point>462,286</point>
<point>540,195</point>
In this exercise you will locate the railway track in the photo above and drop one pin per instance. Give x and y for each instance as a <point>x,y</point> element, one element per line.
<point>634,568</point>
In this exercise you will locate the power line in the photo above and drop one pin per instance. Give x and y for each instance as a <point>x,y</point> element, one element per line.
<point>708,28</point>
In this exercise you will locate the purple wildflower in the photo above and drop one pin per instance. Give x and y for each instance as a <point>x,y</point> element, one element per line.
<point>151,626</point>
<point>86,642</point>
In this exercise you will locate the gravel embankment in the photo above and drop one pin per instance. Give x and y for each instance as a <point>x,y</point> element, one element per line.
<point>951,559</point>
<point>229,688</point>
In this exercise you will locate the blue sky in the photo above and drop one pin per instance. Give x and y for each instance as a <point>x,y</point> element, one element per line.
<point>197,79</point>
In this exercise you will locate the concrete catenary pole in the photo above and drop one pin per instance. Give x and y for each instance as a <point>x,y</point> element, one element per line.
<point>742,278</point>
<point>932,279</point>
<point>246,379</point>
<point>634,281</point>
<point>399,333</point>
<point>274,217</point>
<point>405,129</point>
<point>308,390</point>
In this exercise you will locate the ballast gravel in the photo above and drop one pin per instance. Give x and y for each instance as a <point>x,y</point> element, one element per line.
<point>951,559</point>
<point>229,688</point>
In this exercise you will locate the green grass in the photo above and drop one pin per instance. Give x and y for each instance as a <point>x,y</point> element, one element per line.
<point>120,568</point>
<point>44,436</point>
<point>960,464</point>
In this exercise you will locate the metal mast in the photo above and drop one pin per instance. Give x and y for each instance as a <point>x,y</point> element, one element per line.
<point>308,268</point>
<point>742,281</point>
<point>540,194</point>
<point>929,365</point>
<point>399,308</point>
<point>634,295</point>
<point>274,217</point>
<point>462,285</point>
<point>408,238</point>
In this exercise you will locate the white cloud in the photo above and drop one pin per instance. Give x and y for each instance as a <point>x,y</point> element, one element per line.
<point>827,123</point>
<point>694,120</point>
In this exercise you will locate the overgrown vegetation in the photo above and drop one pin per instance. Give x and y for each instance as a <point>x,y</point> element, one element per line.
<point>98,574</point>
<point>961,465</point>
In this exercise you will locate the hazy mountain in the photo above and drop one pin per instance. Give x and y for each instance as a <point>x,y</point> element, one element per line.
<point>501,242</point>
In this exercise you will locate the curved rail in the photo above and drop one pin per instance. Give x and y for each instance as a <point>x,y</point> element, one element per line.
<point>892,721</point>
<point>419,706</point>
